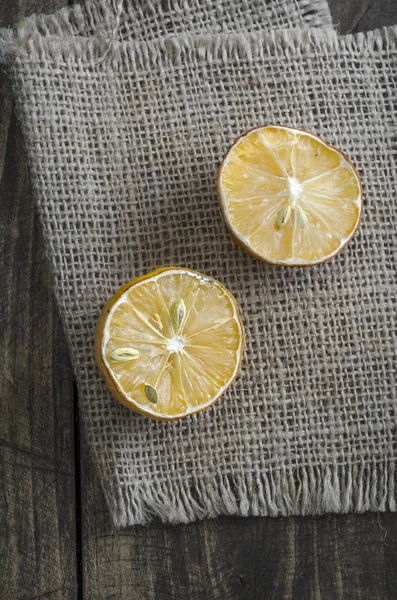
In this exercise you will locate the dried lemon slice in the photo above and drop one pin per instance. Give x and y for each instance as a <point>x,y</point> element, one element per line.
<point>170,343</point>
<point>288,197</point>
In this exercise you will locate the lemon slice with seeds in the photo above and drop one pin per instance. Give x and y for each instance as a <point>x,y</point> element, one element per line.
<point>288,197</point>
<point>170,343</point>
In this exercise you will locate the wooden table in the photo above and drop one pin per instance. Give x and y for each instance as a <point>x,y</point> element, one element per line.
<point>56,539</point>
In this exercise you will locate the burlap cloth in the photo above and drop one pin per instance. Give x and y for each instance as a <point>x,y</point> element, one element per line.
<point>124,140</point>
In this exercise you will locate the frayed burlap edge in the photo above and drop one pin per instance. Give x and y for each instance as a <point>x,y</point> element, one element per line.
<point>304,491</point>
<point>177,50</point>
<point>75,21</point>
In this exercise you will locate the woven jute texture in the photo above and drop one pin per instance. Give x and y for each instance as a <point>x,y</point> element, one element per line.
<point>124,153</point>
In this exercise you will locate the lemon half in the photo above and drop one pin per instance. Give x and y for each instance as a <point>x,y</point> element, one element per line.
<point>170,343</point>
<point>288,197</point>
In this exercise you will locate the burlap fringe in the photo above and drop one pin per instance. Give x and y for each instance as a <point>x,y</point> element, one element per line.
<point>303,491</point>
<point>78,19</point>
<point>28,44</point>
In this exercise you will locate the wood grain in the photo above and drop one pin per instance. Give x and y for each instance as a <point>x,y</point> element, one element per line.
<point>352,16</point>
<point>349,557</point>
<point>37,506</point>
<point>338,557</point>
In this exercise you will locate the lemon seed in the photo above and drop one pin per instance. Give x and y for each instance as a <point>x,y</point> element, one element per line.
<point>178,315</point>
<point>283,215</point>
<point>151,393</point>
<point>124,354</point>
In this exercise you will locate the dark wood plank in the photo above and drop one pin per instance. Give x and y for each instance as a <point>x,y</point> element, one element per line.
<point>349,557</point>
<point>331,557</point>
<point>37,500</point>
<point>334,557</point>
<point>363,15</point>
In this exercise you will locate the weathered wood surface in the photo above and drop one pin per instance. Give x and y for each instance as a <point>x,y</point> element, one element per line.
<point>37,484</point>
<point>345,557</point>
<point>352,16</point>
<point>349,557</point>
